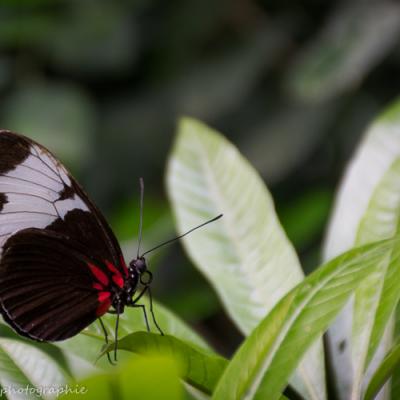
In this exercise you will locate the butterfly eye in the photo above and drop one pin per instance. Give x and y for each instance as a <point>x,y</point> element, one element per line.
<point>146,277</point>
<point>139,265</point>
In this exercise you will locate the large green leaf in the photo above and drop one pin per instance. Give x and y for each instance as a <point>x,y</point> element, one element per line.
<point>378,296</point>
<point>395,381</point>
<point>150,378</point>
<point>197,367</point>
<point>368,201</point>
<point>383,373</point>
<point>263,364</point>
<point>246,255</point>
<point>376,153</point>
<point>28,367</point>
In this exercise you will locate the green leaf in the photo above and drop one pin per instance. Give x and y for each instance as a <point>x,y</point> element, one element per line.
<point>376,153</point>
<point>239,254</point>
<point>377,297</point>
<point>246,255</point>
<point>152,378</point>
<point>390,363</point>
<point>395,380</point>
<point>368,200</point>
<point>197,367</point>
<point>27,366</point>
<point>263,364</point>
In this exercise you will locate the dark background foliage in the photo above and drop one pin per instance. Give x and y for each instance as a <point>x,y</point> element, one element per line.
<point>292,83</point>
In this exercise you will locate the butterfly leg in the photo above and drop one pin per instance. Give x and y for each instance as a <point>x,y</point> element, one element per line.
<point>133,304</point>
<point>139,296</point>
<point>116,336</point>
<point>152,312</point>
<point>106,340</point>
<point>142,306</point>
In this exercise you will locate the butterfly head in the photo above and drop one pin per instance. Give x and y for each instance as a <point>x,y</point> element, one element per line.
<point>138,267</point>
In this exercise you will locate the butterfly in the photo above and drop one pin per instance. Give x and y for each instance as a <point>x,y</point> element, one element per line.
<point>61,267</point>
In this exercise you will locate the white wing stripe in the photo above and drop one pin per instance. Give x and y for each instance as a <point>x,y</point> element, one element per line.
<point>26,212</point>
<point>46,160</point>
<point>9,184</point>
<point>29,195</point>
<point>49,161</point>
<point>42,173</point>
<point>41,221</point>
<point>27,174</point>
<point>24,202</point>
<point>32,192</point>
<point>37,164</point>
<point>63,206</point>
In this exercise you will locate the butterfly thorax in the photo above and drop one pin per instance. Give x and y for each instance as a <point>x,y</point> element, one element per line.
<point>137,274</point>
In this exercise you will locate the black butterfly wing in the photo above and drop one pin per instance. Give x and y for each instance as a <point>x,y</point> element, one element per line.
<point>49,289</point>
<point>36,191</point>
<point>60,263</point>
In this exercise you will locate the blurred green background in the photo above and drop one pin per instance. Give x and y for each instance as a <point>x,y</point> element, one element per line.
<point>293,83</point>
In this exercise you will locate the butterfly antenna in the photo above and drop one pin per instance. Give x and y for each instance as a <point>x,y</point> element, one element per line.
<point>141,216</point>
<point>181,236</point>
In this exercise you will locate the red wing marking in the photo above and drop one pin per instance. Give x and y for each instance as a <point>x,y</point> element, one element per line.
<point>117,277</point>
<point>104,296</point>
<point>98,286</point>
<point>103,308</point>
<point>105,303</point>
<point>99,274</point>
<point>118,281</point>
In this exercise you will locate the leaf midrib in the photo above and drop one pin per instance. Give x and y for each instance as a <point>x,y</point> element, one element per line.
<point>286,326</point>
<point>229,227</point>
